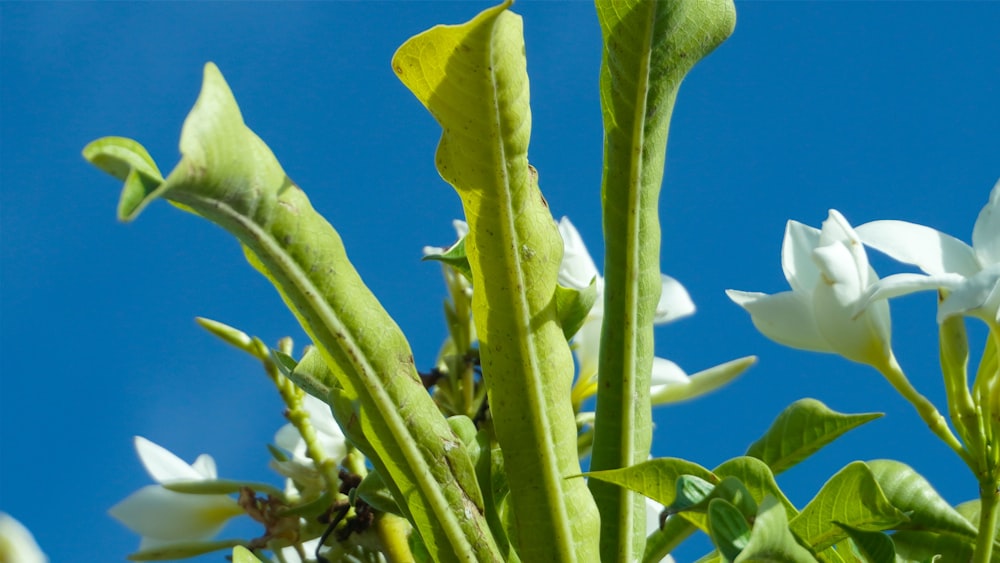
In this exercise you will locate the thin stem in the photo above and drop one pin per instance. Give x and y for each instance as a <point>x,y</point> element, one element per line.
<point>989,502</point>
<point>927,411</point>
<point>393,534</point>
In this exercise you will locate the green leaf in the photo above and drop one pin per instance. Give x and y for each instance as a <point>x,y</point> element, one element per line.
<point>728,528</point>
<point>874,547</point>
<point>801,430</point>
<point>376,494</point>
<point>909,492</point>
<point>654,478</point>
<point>456,257</point>
<point>852,497</point>
<point>473,79</point>
<point>648,49</point>
<point>756,478</point>
<point>573,306</point>
<point>230,177</point>
<point>128,161</point>
<point>663,541</point>
<point>692,494</point>
<point>244,555</point>
<point>922,545</point>
<point>771,539</point>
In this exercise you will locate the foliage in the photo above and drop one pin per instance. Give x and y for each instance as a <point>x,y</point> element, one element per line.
<point>480,458</point>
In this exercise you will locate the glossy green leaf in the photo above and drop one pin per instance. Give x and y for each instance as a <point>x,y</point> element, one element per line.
<point>728,528</point>
<point>922,545</point>
<point>230,177</point>
<point>654,478</point>
<point>771,540</point>
<point>692,493</point>
<point>873,547</point>
<point>909,492</point>
<point>852,497</point>
<point>243,555</point>
<point>756,477</point>
<point>697,499</point>
<point>473,79</point>
<point>648,49</point>
<point>801,430</point>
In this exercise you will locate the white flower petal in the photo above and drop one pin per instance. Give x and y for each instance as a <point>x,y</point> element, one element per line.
<point>587,347</point>
<point>204,465</point>
<point>155,512</point>
<point>787,318</point>
<point>796,256</point>
<point>978,295</point>
<point>905,284</point>
<point>162,465</point>
<point>288,438</point>
<point>863,338</point>
<point>928,249</point>
<point>675,302</point>
<point>17,544</point>
<point>666,373</point>
<point>578,268</point>
<point>701,383</point>
<point>986,233</point>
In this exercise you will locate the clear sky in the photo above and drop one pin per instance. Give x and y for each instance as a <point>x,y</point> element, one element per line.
<point>880,110</point>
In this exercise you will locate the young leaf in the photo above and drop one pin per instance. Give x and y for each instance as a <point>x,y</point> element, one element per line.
<point>573,306</point>
<point>771,539</point>
<point>874,547</point>
<point>800,431</point>
<point>909,492</point>
<point>852,497</point>
<point>692,493</point>
<point>755,477</point>
<point>230,177</point>
<point>648,49</point>
<point>728,528</point>
<point>473,79</point>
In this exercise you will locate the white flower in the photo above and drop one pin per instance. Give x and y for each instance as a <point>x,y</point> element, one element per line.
<point>829,274</point>
<point>577,271</point>
<point>969,275</point>
<point>162,516</point>
<point>17,544</point>
<point>300,467</point>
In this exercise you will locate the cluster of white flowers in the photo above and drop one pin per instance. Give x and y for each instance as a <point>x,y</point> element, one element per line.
<point>837,302</point>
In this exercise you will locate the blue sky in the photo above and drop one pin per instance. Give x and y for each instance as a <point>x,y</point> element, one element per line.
<point>880,110</point>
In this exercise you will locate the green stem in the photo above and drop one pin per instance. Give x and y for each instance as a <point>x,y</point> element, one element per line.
<point>393,534</point>
<point>989,503</point>
<point>298,416</point>
<point>927,411</point>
